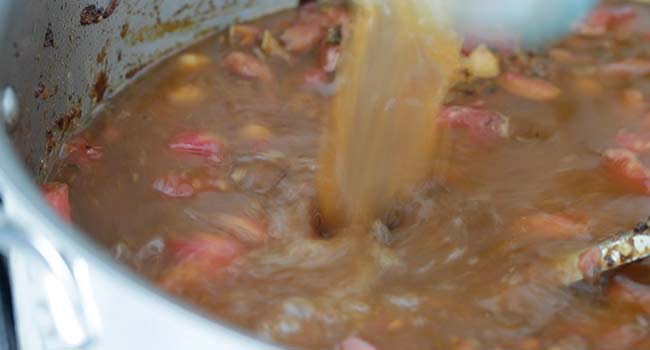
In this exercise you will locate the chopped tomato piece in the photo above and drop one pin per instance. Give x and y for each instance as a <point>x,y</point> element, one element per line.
<point>529,88</point>
<point>627,67</point>
<point>355,343</point>
<point>589,264</point>
<point>623,290</point>
<point>201,257</point>
<point>200,144</point>
<point>478,122</point>
<point>58,196</point>
<point>243,35</point>
<point>606,18</point>
<point>302,37</point>
<point>219,250</point>
<point>247,66</point>
<point>634,142</point>
<point>550,225</point>
<point>79,151</point>
<point>329,57</point>
<point>626,168</point>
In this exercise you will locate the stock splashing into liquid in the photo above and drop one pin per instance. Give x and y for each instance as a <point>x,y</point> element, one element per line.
<point>382,137</point>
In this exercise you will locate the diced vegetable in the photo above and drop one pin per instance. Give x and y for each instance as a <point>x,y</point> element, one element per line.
<point>200,257</point>
<point>605,18</point>
<point>627,67</point>
<point>255,132</point>
<point>272,48</point>
<point>243,35</point>
<point>479,122</point>
<point>193,60</point>
<point>627,170</point>
<point>589,264</point>
<point>302,37</point>
<point>247,66</point>
<point>355,343</point>
<point>529,88</point>
<point>482,63</point>
<point>57,195</point>
<point>200,144</point>
<point>79,151</point>
<point>219,250</point>
<point>552,226</point>
<point>635,142</point>
<point>185,94</point>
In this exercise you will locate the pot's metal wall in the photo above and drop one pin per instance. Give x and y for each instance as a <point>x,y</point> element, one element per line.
<point>64,57</point>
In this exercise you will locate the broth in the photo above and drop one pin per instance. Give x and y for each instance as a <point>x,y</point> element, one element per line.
<point>201,177</point>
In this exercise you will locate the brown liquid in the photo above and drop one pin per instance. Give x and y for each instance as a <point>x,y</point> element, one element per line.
<point>382,137</point>
<point>450,278</point>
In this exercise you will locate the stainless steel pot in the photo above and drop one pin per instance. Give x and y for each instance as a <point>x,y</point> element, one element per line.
<point>58,61</point>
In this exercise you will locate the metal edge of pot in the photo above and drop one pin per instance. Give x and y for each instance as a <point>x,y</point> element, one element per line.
<point>99,304</point>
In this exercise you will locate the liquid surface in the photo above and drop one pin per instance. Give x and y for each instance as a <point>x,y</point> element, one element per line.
<point>201,177</point>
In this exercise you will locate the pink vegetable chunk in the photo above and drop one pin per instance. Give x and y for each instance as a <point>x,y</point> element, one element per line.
<point>57,195</point>
<point>200,144</point>
<point>302,37</point>
<point>479,122</point>
<point>355,343</point>
<point>626,169</point>
<point>199,258</point>
<point>247,66</point>
<point>635,142</point>
<point>529,88</point>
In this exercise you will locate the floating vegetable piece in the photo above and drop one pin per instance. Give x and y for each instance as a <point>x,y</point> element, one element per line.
<point>247,66</point>
<point>57,195</point>
<point>272,48</point>
<point>478,122</point>
<point>529,88</point>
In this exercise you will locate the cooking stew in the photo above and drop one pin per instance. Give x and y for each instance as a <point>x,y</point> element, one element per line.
<point>201,177</point>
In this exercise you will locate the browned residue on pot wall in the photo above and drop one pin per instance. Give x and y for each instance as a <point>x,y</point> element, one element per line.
<point>92,14</point>
<point>99,88</point>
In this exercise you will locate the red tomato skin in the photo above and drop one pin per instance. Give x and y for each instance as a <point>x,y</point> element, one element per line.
<point>627,170</point>
<point>199,144</point>
<point>478,122</point>
<point>58,196</point>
